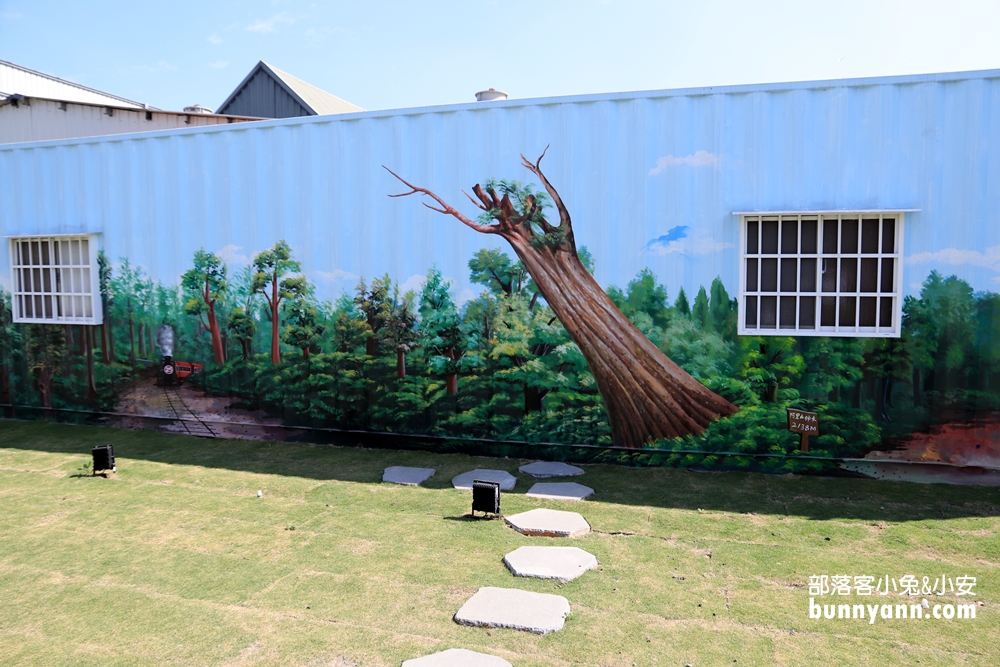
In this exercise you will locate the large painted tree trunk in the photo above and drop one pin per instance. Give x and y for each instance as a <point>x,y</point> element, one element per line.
<point>400,364</point>
<point>647,396</point>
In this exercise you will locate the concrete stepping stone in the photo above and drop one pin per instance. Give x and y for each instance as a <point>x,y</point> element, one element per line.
<point>560,491</point>
<point>504,478</point>
<point>457,657</point>
<point>549,523</point>
<point>491,607</point>
<point>565,563</point>
<point>542,469</point>
<point>407,476</point>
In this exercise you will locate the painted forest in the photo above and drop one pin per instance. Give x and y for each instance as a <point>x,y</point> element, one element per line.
<point>502,366</point>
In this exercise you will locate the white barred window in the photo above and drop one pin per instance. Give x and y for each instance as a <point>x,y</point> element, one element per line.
<point>821,273</point>
<point>55,279</point>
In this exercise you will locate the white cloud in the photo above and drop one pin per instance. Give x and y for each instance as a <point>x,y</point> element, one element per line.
<point>337,275</point>
<point>231,255</point>
<point>219,64</point>
<point>215,39</point>
<point>270,24</point>
<point>696,159</point>
<point>412,284</point>
<point>703,245</point>
<point>988,258</point>
<point>466,295</point>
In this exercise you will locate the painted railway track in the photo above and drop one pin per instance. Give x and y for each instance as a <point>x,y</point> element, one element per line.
<point>186,417</point>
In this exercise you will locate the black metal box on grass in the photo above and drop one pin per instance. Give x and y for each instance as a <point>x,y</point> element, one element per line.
<point>104,458</point>
<point>485,497</point>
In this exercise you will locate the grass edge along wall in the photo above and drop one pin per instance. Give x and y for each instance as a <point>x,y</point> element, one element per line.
<point>576,299</point>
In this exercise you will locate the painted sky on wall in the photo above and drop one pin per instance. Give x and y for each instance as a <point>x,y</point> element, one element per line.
<point>651,180</point>
<point>395,54</point>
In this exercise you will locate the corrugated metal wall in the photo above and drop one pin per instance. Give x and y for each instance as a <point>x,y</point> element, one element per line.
<point>263,97</point>
<point>633,169</point>
<point>41,120</point>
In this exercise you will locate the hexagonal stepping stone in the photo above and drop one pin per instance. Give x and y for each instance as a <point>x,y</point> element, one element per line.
<point>504,478</point>
<point>560,491</point>
<point>542,469</point>
<point>407,476</point>
<point>457,657</point>
<point>565,563</point>
<point>491,607</point>
<point>549,523</point>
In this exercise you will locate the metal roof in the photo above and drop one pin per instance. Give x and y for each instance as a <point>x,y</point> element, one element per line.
<point>18,80</point>
<point>312,100</point>
<point>630,97</point>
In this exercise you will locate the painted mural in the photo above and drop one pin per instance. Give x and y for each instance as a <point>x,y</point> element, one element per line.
<point>579,303</point>
<point>541,354</point>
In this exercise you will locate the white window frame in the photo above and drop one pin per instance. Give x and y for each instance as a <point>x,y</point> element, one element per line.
<point>837,330</point>
<point>71,289</point>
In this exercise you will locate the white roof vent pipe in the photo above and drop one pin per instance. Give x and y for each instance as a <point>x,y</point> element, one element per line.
<point>490,95</point>
<point>197,108</point>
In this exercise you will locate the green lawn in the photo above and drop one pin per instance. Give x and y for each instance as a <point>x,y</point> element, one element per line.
<point>175,561</point>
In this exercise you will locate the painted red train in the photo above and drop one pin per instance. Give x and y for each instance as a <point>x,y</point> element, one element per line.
<point>175,372</point>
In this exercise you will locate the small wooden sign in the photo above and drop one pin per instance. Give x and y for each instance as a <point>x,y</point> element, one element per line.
<point>805,424</point>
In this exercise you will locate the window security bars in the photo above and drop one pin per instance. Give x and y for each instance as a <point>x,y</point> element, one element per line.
<point>55,280</point>
<point>821,274</point>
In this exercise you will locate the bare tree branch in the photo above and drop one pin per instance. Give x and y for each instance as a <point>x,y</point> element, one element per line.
<point>564,220</point>
<point>445,207</point>
<point>478,204</point>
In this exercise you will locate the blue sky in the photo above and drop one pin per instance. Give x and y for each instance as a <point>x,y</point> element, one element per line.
<point>382,55</point>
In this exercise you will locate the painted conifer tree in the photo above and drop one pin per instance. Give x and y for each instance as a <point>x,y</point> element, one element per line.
<point>444,336</point>
<point>374,304</point>
<point>681,305</point>
<point>400,331</point>
<point>304,327</point>
<point>647,396</point>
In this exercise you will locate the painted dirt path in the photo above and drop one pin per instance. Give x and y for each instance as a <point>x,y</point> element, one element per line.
<point>188,410</point>
<point>958,452</point>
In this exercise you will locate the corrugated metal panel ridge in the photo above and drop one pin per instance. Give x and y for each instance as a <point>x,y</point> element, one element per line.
<point>942,77</point>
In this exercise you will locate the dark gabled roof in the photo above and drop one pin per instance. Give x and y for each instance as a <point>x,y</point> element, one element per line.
<point>267,92</point>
